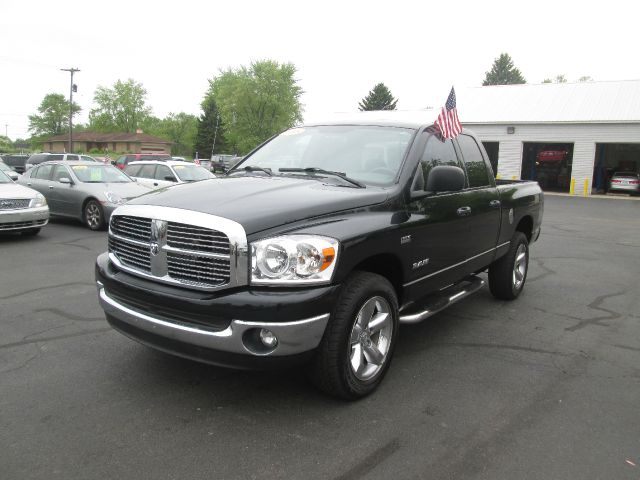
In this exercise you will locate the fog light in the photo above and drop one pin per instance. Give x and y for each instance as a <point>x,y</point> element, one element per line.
<point>268,338</point>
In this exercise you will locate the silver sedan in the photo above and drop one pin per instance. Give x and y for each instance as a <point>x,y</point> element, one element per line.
<point>21,209</point>
<point>83,190</point>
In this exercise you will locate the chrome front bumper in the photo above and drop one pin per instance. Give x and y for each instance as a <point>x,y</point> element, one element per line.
<point>24,218</point>
<point>293,337</point>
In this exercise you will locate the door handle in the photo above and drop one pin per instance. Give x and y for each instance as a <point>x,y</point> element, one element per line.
<point>50,187</point>
<point>155,184</point>
<point>494,203</point>
<point>28,184</point>
<point>464,211</point>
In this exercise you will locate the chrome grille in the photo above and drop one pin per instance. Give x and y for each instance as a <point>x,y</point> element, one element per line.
<point>172,252</point>
<point>137,228</point>
<point>199,239</point>
<point>198,270</point>
<point>131,254</point>
<point>14,203</point>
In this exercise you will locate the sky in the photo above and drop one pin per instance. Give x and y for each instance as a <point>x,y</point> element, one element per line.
<point>341,49</point>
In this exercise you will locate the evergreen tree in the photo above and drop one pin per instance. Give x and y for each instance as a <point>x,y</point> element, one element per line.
<point>206,129</point>
<point>379,98</point>
<point>503,72</point>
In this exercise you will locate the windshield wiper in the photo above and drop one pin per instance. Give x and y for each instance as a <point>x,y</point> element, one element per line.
<point>313,171</point>
<point>251,168</point>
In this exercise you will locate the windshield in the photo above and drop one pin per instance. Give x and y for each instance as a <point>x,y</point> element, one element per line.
<point>99,174</point>
<point>371,155</point>
<point>5,168</point>
<point>191,173</point>
<point>4,178</point>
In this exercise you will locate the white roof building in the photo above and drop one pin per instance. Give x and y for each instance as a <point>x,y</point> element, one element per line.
<point>597,123</point>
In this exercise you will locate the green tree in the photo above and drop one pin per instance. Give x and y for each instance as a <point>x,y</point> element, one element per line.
<point>53,116</point>
<point>121,108</point>
<point>6,145</point>
<point>181,129</point>
<point>560,78</point>
<point>503,72</point>
<point>210,127</point>
<point>585,78</point>
<point>257,102</point>
<point>379,98</point>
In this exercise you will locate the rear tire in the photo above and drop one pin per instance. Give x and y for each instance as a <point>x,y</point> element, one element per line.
<point>93,215</point>
<point>508,274</point>
<point>358,343</point>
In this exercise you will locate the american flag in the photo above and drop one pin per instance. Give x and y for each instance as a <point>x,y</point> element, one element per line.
<point>448,121</point>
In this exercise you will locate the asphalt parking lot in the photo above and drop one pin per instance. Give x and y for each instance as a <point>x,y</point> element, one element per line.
<point>546,387</point>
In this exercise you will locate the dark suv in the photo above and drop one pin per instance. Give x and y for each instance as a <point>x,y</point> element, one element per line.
<point>16,161</point>
<point>124,160</point>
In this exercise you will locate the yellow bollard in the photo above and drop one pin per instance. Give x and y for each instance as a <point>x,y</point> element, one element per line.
<point>585,191</point>
<point>513,177</point>
<point>572,188</point>
<point>498,177</point>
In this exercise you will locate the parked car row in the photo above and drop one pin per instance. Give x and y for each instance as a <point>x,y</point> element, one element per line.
<point>85,190</point>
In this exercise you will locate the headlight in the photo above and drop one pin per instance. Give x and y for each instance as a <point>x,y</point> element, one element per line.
<point>38,201</point>
<point>293,259</point>
<point>114,198</point>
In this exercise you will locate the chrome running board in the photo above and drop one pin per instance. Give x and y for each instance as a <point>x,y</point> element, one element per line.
<point>441,300</point>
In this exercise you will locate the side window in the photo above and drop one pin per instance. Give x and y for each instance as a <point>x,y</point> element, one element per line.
<point>132,170</point>
<point>437,152</point>
<point>163,171</point>
<point>474,161</point>
<point>120,161</point>
<point>44,172</point>
<point>73,157</point>
<point>147,171</point>
<point>60,172</point>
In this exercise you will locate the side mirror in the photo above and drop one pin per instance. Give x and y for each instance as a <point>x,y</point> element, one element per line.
<point>170,178</point>
<point>445,178</point>
<point>65,180</point>
<point>113,162</point>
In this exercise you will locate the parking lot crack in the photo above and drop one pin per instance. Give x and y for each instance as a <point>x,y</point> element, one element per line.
<point>596,305</point>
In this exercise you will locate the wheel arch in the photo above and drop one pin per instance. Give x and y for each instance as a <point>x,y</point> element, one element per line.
<point>386,265</point>
<point>525,225</point>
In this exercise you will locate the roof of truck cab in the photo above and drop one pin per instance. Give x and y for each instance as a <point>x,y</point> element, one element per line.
<point>385,118</point>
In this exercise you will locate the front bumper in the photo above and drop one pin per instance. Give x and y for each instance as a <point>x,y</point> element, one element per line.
<point>221,328</point>
<point>23,218</point>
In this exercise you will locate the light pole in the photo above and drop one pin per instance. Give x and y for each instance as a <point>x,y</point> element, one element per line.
<point>72,88</point>
<point>215,135</point>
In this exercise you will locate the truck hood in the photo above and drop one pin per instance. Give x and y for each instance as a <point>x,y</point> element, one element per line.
<point>259,203</point>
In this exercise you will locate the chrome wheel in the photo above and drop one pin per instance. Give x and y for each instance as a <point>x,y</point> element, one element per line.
<point>370,338</point>
<point>93,215</point>
<point>520,266</point>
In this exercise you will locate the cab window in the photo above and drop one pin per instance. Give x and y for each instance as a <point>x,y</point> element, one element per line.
<point>60,172</point>
<point>147,171</point>
<point>44,172</point>
<point>437,152</point>
<point>474,162</point>
<point>164,173</point>
<point>132,170</point>
<point>73,157</point>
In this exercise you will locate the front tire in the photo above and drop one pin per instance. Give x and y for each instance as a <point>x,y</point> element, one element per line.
<point>508,274</point>
<point>356,350</point>
<point>93,215</point>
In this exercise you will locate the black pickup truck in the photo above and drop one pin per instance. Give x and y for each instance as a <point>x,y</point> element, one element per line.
<point>316,247</point>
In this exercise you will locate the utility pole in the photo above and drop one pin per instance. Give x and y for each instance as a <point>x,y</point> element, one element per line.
<point>72,88</point>
<point>215,135</point>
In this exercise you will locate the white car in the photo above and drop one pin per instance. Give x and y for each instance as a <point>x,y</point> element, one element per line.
<point>22,209</point>
<point>157,174</point>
